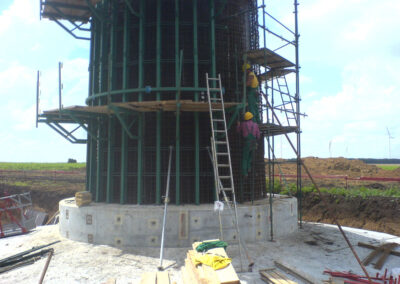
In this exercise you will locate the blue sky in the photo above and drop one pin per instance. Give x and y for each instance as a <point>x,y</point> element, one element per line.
<point>350,80</point>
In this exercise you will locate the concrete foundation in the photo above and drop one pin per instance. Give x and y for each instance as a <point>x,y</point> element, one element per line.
<point>141,225</point>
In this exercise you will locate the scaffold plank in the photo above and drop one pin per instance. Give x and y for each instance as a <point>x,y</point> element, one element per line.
<point>268,58</point>
<point>67,9</point>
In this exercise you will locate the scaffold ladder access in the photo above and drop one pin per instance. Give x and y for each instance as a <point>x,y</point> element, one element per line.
<point>221,156</point>
<point>287,101</point>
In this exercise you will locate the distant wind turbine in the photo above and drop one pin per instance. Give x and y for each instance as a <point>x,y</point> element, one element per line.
<point>389,137</point>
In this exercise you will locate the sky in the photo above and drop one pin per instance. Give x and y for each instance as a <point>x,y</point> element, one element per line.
<point>349,82</point>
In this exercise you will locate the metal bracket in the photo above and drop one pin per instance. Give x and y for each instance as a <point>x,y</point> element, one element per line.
<point>118,111</point>
<point>65,133</point>
<point>80,122</point>
<point>68,31</point>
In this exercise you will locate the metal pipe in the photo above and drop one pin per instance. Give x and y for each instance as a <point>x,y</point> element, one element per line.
<point>51,252</point>
<point>273,18</point>
<point>297,96</point>
<point>110,161</point>
<point>111,120</point>
<point>60,65</point>
<point>166,200</point>
<point>99,193</point>
<point>37,97</point>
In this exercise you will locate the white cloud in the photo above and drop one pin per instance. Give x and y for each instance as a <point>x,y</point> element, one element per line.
<point>28,45</point>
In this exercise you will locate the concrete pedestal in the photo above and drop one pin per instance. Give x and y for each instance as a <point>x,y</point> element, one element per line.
<point>141,225</point>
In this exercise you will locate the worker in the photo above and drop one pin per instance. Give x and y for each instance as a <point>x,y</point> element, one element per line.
<point>250,132</point>
<point>252,92</point>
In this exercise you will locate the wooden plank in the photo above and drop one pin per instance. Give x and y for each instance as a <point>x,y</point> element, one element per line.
<point>198,274</point>
<point>387,248</point>
<point>187,276</point>
<point>149,278</point>
<point>294,272</point>
<point>396,253</point>
<point>163,277</point>
<point>225,275</point>
<point>275,276</point>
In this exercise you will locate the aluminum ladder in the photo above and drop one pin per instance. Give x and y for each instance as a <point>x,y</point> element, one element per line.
<point>221,155</point>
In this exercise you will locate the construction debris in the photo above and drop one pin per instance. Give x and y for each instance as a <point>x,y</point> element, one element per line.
<point>384,250</point>
<point>273,276</point>
<point>14,218</point>
<point>350,278</point>
<point>296,273</point>
<point>24,258</point>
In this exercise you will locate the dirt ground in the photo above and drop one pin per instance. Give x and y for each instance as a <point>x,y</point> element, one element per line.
<point>373,213</point>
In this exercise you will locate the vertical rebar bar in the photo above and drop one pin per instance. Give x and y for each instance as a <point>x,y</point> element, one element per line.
<point>140,98</point>
<point>158,97</point>
<point>196,98</point>
<point>297,98</point>
<point>166,200</point>
<point>124,136</point>
<point>177,129</point>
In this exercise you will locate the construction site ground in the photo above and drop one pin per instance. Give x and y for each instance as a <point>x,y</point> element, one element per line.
<point>310,251</point>
<point>313,249</point>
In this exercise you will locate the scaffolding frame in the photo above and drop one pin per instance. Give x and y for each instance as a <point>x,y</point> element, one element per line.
<point>272,70</point>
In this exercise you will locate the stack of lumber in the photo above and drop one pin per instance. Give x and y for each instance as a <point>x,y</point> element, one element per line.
<point>155,278</point>
<point>275,277</point>
<point>204,274</point>
<point>83,198</point>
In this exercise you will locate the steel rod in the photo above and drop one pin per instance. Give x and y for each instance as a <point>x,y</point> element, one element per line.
<point>124,135</point>
<point>297,96</point>
<point>166,200</point>
<point>46,266</point>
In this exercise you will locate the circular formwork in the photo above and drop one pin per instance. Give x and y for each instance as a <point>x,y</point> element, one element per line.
<point>141,225</point>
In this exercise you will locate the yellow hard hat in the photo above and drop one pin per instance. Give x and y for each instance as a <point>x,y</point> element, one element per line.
<point>246,66</point>
<point>248,115</point>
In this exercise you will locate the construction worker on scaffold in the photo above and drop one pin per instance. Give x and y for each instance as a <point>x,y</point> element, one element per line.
<point>250,132</point>
<point>252,92</point>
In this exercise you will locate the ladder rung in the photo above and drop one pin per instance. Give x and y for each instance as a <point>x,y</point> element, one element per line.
<point>215,99</point>
<point>217,109</point>
<point>226,189</point>
<point>213,79</point>
<point>222,154</point>
<point>223,165</point>
<point>214,89</point>
<point>219,131</point>
<point>224,177</point>
<point>218,120</point>
<point>220,142</point>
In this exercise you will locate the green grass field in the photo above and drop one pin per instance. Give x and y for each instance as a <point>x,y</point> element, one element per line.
<point>42,166</point>
<point>388,167</point>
